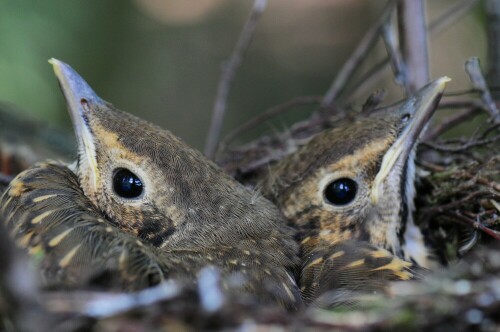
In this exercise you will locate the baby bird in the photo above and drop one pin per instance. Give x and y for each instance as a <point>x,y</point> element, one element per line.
<point>349,191</point>
<point>139,206</point>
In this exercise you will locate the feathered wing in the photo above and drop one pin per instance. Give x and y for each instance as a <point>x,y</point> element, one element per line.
<point>49,216</point>
<point>334,274</point>
<point>74,245</point>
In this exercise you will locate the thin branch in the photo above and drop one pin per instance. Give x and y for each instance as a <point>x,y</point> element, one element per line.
<point>459,93</point>
<point>492,9</point>
<point>464,147</point>
<point>492,128</point>
<point>266,115</point>
<point>445,20</point>
<point>428,213</point>
<point>228,73</point>
<point>469,176</point>
<point>476,224</point>
<point>450,122</point>
<point>451,16</point>
<point>373,101</point>
<point>389,36</point>
<point>413,43</point>
<point>356,58</point>
<point>473,69</point>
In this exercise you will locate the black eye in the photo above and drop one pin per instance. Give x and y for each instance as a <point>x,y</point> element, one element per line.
<point>127,184</point>
<point>341,191</point>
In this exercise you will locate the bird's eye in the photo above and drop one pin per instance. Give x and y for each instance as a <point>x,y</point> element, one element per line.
<point>126,184</point>
<point>341,191</point>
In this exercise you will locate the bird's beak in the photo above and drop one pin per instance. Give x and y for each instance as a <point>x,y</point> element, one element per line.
<point>81,100</point>
<point>417,111</point>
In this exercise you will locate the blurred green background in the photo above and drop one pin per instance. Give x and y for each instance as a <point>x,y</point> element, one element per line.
<point>160,59</point>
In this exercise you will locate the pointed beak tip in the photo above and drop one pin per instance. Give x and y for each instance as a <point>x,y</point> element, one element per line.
<point>442,81</point>
<point>59,67</point>
<point>436,87</point>
<point>72,84</point>
<point>54,61</point>
<point>428,94</point>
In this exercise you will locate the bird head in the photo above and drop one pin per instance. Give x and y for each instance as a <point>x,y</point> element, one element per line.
<point>356,181</point>
<point>152,184</point>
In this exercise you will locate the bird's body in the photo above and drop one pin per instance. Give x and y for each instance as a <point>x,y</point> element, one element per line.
<point>349,192</point>
<point>141,206</point>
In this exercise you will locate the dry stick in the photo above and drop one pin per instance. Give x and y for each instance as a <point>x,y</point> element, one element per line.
<point>266,115</point>
<point>492,9</point>
<point>450,122</point>
<point>228,73</point>
<point>442,22</point>
<point>374,100</point>
<point>473,69</point>
<point>464,147</point>
<point>485,182</point>
<point>459,93</point>
<point>396,59</point>
<point>474,108</point>
<point>339,83</point>
<point>413,43</point>
<point>476,224</point>
<point>490,129</point>
<point>445,207</point>
<point>356,58</point>
<point>445,20</point>
<point>449,17</point>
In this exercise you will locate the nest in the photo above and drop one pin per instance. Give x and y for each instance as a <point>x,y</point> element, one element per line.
<point>458,207</point>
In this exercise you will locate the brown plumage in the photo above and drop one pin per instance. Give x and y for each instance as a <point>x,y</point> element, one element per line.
<point>139,206</point>
<point>349,191</point>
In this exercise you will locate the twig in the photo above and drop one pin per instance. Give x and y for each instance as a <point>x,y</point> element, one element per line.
<point>228,73</point>
<point>413,43</point>
<point>373,75</point>
<point>481,180</point>
<point>476,224</point>
<point>450,122</point>
<point>492,128</point>
<point>466,103</point>
<point>451,15</point>
<point>266,115</point>
<point>463,147</point>
<point>373,101</point>
<point>428,213</point>
<point>492,9</point>
<point>391,44</point>
<point>473,69</point>
<point>356,58</point>
<point>459,93</point>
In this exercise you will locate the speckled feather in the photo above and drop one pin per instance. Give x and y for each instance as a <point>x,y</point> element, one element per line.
<point>354,149</point>
<point>361,245</point>
<point>72,243</point>
<point>339,244</point>
<point>349,267</point>
<point>190,215</point>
